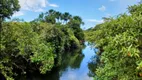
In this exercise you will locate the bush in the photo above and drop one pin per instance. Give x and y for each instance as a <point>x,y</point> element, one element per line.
<point>119,41</point>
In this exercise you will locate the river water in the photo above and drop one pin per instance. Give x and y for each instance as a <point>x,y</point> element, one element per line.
<point>75,66</point>
<point>82,72</point>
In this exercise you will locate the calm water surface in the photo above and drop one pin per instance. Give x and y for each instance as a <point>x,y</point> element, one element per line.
<point>75,66</point>
<point>80,73</point>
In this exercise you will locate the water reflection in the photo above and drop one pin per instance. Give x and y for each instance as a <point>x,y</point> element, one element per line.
<point>77,65</point>
<point>72,60</point>
<point>92,65</point>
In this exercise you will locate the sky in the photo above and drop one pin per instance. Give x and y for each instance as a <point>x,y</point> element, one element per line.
<point>91,11</point>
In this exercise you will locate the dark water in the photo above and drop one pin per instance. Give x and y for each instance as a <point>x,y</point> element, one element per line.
<point>75,66</point>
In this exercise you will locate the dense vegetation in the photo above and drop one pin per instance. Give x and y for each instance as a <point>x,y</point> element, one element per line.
<point>37,45</point>
<point>119,41</point>
<point>70,59</point>
<point>47,41</point>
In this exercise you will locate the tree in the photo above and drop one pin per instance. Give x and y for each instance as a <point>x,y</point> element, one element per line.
<point>58,15</point>
<point>51,12</point>
<point>7,8</point>
<point>41,16</point>
<point>75,24</point>
<point>50,16</point>
<point>78,20</point>
<point>119,41</point>
<point>35,46</point>
<point>66,16</point>
<point>136,9</point>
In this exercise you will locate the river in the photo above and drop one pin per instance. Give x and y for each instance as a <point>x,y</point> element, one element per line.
<point>75,66</point>
<point>82,72</point>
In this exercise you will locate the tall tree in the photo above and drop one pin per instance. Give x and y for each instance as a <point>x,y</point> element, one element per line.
<point>78,20</point>
<point>66,16</point>
<point>51,16</point>
<point>75,24</point>
<point>58,15</point>
<point>7,8</point>
<point>51,12</point>
<point>41,16</point>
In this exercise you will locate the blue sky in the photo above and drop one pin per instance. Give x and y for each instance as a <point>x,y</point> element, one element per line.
<point>91,11</point>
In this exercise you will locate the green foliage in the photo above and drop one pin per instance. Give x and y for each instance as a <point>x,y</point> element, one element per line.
<point>21,47</point>
<point>135,9</point>
<point>60,34</point>
<point>119,41</point>
<point>36,45</point>
<point>8,7</point>
<point>63,19</point>
<point>75,24</point>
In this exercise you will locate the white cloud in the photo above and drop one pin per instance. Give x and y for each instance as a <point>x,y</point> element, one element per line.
<point>18,14</point>
<point>102,8</point>
<point>95,21</point>
<point>35,5</point>
<point>53,5</point>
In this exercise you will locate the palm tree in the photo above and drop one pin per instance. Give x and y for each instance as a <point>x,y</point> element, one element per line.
<point>58,15</point>
<point>51,12</point>
<point>66,16</point>
<point>50,16</point>
<point>41,17</point>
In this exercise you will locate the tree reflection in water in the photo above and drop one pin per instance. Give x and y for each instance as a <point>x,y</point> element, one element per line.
<point>92,65</point>
<point>69,59</point>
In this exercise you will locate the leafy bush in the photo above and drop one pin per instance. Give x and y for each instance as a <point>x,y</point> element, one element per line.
<point>34,46</point>
<point>21,47</point>
<point>119,41</point>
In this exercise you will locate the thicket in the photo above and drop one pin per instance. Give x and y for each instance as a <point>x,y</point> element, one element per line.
<point>119,41</point>
<point>38,45</point>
